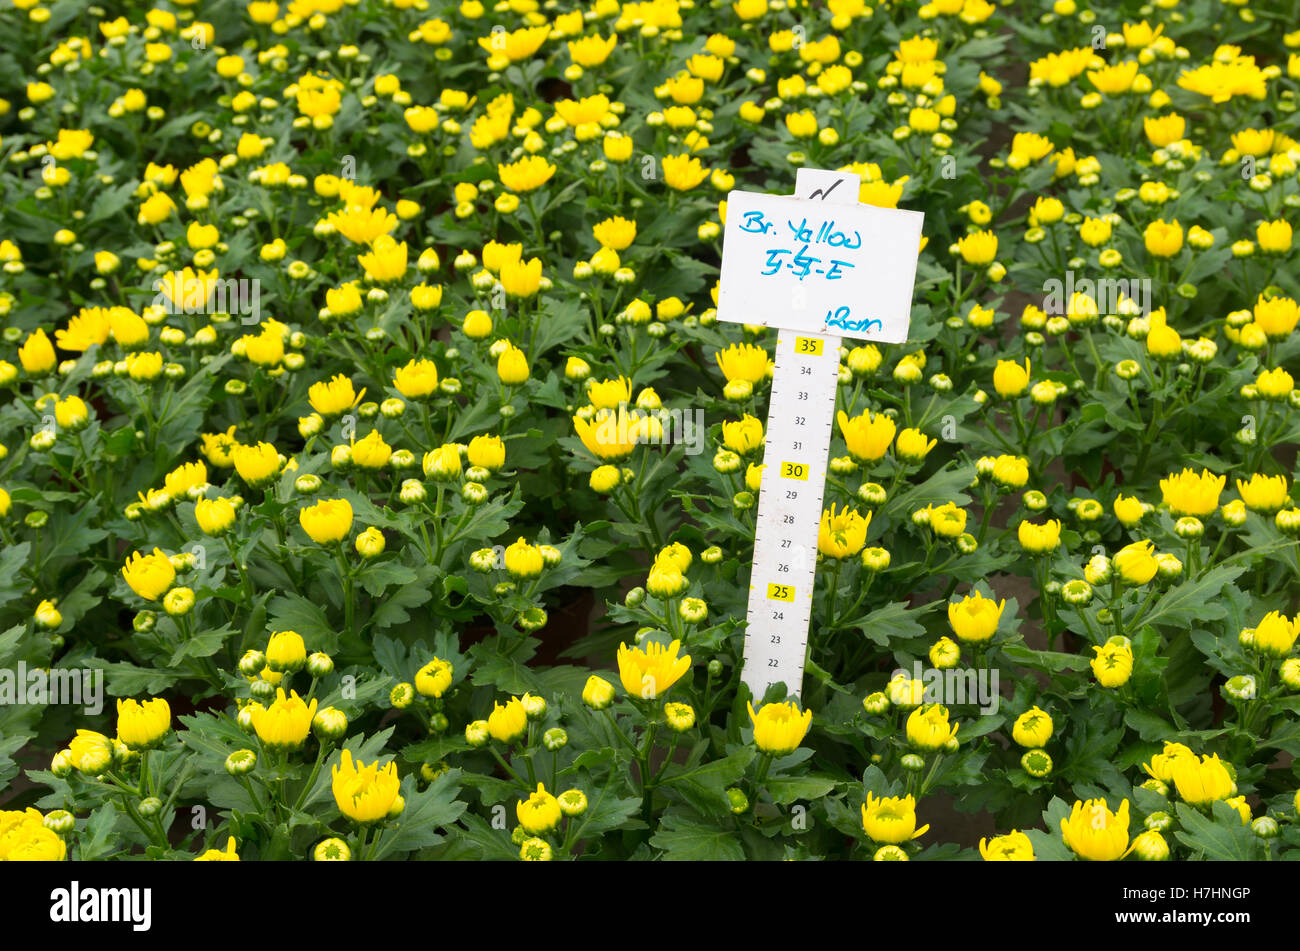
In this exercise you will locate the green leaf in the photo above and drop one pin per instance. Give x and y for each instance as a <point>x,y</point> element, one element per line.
<point>1223,838</point>
<point>70,533</point>
<point>8,746</point>
<point>293,612</point>
<point>376,577</point>
<point>425,813</point>
<point>1052,661</point>
<point>200,645</point>
<point>1285,737</point>
<point>788,789</point>
<point>1090,752</point>
<point>490,519</point>
<point>494,844</point>
<point>562,320</point>
<point>394,611</point>
<point>128,680</point>
<point>894,621</point>
<point>704,787</point>
<point>684,839</point>
<point>1194,602</point>
<point>393,608</point>
<point>492,790</point>
<point>10,642</point>
<point>477,418</point>
<point>946,485</point>
<point>1149,726</point>
<point>609,812</point>
<point>1048,845</point>
<point>504,664</point>
<point>682,277</point>
<point>109,202</point>
<point>435,748</point>
<point>95,840</point>
<point>12,558</point>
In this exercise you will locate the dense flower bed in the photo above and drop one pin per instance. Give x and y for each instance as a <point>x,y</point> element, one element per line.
<point>370,438</point>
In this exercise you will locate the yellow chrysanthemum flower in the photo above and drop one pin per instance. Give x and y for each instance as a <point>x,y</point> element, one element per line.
<point>779,728</point>
<point>649,672</point>
<point>1095,833</point>
<point>364,794</point>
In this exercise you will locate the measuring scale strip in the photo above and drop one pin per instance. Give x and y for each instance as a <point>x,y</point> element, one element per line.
<point>800,419</point>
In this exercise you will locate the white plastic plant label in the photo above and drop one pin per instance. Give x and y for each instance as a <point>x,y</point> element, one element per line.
<point>819,265</point>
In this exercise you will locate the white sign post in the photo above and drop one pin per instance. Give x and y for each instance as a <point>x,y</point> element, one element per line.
<point>819,266</point>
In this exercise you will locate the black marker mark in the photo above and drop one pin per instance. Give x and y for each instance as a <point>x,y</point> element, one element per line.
<point>823,193</point>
